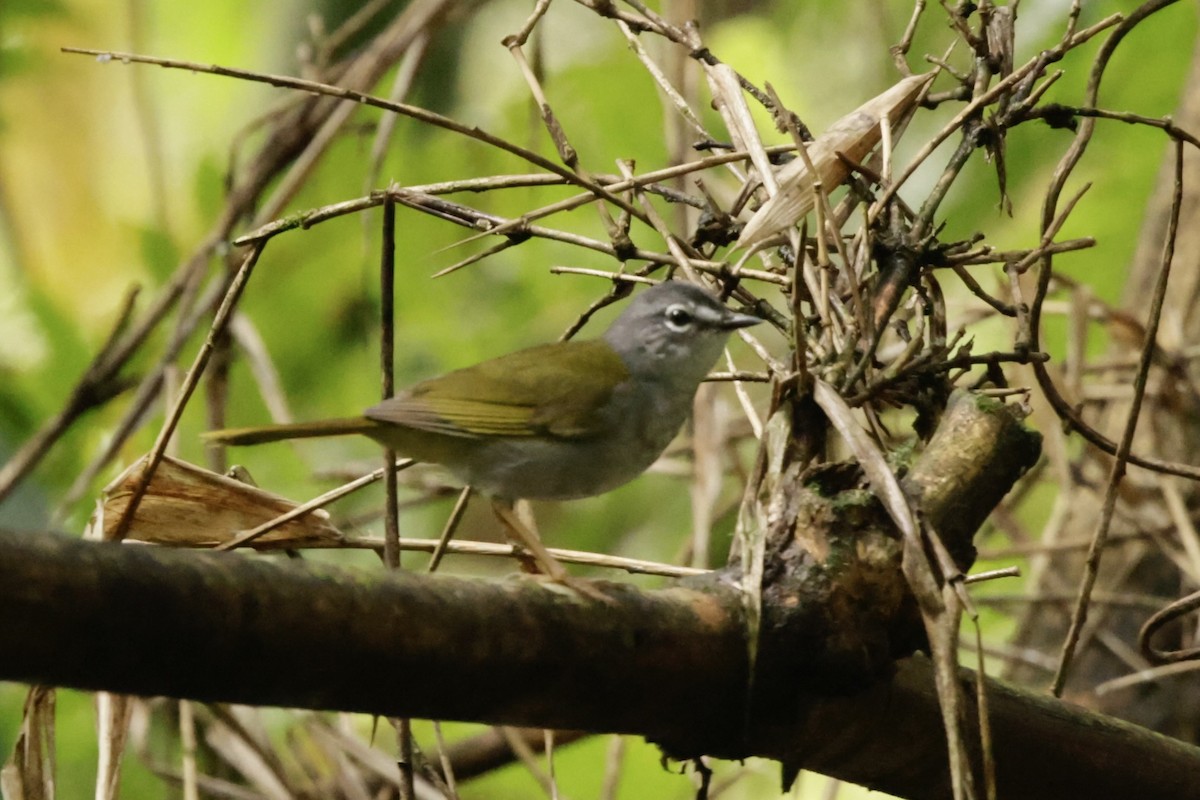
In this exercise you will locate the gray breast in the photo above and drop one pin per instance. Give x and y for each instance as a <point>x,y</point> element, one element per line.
<point>643,424</point>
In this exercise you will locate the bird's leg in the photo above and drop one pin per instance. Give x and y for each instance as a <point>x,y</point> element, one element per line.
<point>530,562</point>
<point>521,533</point>
<point>550,566</point>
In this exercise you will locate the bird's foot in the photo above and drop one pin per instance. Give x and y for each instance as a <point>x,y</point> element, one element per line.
<point>534,558</point>
<point>580,586</point>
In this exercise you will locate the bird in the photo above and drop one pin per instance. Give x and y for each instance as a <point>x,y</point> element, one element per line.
<point>556,421</point>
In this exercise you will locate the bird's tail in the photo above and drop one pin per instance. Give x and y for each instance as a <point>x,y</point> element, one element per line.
<point>297,430</point>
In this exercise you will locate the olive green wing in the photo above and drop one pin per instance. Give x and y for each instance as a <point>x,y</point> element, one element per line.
<point>553,389</point>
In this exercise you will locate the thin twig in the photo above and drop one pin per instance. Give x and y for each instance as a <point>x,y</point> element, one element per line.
<point>1092,564</point>
<point>363,98</point>
<point>138,491</point>
<point>317,502</point>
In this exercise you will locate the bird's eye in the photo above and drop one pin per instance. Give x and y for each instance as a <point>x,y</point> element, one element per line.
<point>679,318</point>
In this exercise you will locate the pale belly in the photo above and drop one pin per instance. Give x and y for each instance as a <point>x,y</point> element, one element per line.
<point>552,470</point>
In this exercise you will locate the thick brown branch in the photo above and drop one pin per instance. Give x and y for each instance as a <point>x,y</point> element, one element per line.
<point>668,664</point>
<point>884,738</point>
<point>223,627</point>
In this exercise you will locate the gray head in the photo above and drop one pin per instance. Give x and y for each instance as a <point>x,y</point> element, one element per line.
<point>674,331</point>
